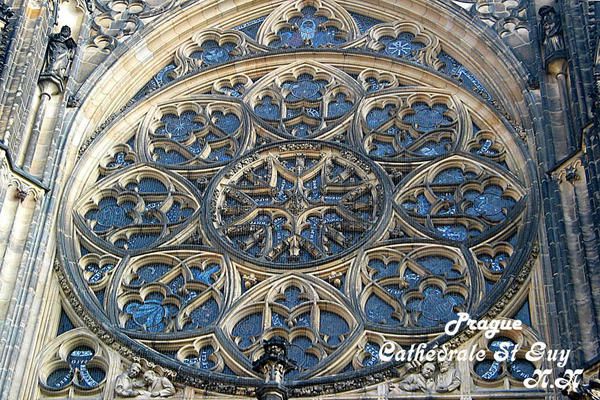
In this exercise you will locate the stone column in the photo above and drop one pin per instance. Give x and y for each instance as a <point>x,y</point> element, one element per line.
<point>14,253</point>
<point>590,241</point>
<point>556,66</point>
<point>588,331</point>
<point>59,56</point>
<point>7,215</point>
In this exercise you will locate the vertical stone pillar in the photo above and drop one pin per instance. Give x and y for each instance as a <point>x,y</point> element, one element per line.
<point>59,56</point>
<point>16,245</point>
<point>555,64</point>
<point>7,215</point>
<point>30,141</point>
<point>588,331</point>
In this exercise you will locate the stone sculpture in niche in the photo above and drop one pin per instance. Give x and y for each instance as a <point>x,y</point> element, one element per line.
<point>423,380</point>
<point>158,386</point>
<point>551,33</point>
<point>447,379</point>
<point>60,53</point>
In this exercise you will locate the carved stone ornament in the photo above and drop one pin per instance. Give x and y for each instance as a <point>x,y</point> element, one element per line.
<point>430,378</point>
<point>258,203</point>
<point>134,383</point>
<point>551,33</point>
<point>60,53</point>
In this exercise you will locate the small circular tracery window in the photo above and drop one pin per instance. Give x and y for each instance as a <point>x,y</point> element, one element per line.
<point>297,203</point>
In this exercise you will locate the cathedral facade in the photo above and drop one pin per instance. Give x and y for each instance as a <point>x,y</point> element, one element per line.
<point>319,199</point>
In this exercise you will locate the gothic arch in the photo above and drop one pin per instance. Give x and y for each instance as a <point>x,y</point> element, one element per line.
<point>347,169</point>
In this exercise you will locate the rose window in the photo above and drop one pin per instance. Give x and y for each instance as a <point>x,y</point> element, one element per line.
<point>334,204</point>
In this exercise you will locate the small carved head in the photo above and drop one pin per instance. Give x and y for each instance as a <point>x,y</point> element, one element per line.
<point>149,377</point>
<point>135,370</point>
<point>428,370</point>
<point>444,366</point>
<point>65,31</point>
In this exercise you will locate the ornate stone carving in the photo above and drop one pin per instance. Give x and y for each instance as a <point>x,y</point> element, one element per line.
<point>430,378</point>
<point>74,360</point>
<point>144,297</point>
<point>211,47</point>
<point>274,362</point>
<point>158,386</point>
<point>570,171</point>
<point>405,40</point>
<point>307,23</point>
<point>505,16</point>
<point>286,207</point>
<point>551,34</point>
<point>130,382</point>
<point>60,53</point>
<point>134,383</point>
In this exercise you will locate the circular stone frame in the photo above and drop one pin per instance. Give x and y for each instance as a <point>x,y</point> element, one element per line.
<point>382,189</point>
<point>86,306</point>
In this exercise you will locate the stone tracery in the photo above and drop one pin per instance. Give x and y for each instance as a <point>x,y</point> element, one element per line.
<point>216,198</point>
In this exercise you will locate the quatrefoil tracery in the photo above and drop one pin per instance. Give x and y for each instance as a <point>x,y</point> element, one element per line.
<point>311,316</point>
<point>411,125</point>
<point>136,208</point>
<point>177,292</point>
<point>193,133</point>
<point>303,100</point>
<point>410,287</point>
<point>458,199</point>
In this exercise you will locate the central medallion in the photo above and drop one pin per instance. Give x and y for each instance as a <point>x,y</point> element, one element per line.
<point>297,203</point>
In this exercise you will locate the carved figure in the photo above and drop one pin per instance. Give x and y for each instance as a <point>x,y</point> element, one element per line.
<point>60,53</point>
<point>551,31</point>
<point>274,363</point>
<point>129,383</point>
<point>430,379</point>
<point>423,381</point>
<point>158,386</point>
<point>447,379</point>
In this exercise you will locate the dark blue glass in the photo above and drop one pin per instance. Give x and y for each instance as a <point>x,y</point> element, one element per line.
<point>380,312</point>
<point>204,315</point>
<point>267,109</point>
<point>488,370</point>
<point>213,53</point>
<point>426,119</point>
<point>333,327</point>
<point>364,22</point>
<point>373,354</point>
<point>401,46</point>
<point>521,369</point>
<point>202,360</point>
<point>310,30</point>
<point>436,308</point>
<point>248,330</point>
<point>496,263</point>
<point>456,70</point>
<point>293,297</point>
<point>98,272</point>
